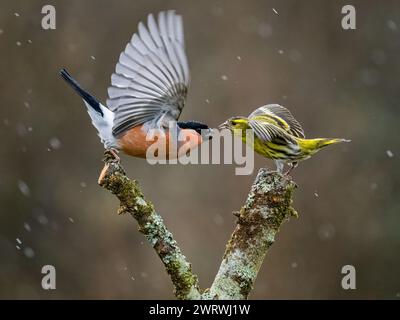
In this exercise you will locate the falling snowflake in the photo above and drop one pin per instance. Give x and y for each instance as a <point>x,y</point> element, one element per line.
<point>326,231</point>
<point>55,143</point>
<point>294,265</point>
<point>71,220</point>
<point>29,41</point>
<point>27,227</point>
<point>18,247</point>
<point>389,153</point>
<point>19,241</point>
<point>83,184</point>
<point>280,51</point>
<point>18,43</point>
<point>93,57</point>
<point>295,55</point>
<point>42,219</point>
<point>239,58</point>
<point>316,194</point>
<point>29,253</point>
<point>218,220</point>
<point>391,25</point>
<point>1,31</point>
<point>224,77</point>
<point>264,30</point>
<point>274,10</point>
<point>27,105</point>
<point>24,188</point>
<point>16,14</point>
<point>207,101</point>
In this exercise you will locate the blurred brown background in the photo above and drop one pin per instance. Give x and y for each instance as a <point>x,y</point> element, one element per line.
<point>242,55</point>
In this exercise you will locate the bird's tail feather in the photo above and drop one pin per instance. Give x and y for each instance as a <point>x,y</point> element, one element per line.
<point>102,117</point>
<point>86,96</point>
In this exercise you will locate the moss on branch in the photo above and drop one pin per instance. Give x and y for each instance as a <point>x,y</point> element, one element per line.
<point>267,206</point>
<point>152,226</point>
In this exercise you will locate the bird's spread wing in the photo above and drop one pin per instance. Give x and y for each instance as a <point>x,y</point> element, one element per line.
<point>151,78</point>
<point>281,117</point>
<point>267,131</point>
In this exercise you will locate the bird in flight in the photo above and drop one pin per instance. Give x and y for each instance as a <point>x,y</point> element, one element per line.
<point>277,135</point>
<point>148,91</point>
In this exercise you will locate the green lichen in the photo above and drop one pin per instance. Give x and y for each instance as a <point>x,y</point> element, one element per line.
<point>185,282</point>
<point>244,277</point>
<point>152,226</point>
<point>267,207</point>
<point>236,277</point>
<point>250,200</point>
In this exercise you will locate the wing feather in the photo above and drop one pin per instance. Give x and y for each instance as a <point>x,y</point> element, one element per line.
<point>152,77</point>
<point>282,117</point>
<point>155,33</point>
<point>269,132</point>
<point>179,30</point>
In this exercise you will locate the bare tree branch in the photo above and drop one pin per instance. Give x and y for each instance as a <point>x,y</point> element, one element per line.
<point>152,226</point>
<point>268,205</point>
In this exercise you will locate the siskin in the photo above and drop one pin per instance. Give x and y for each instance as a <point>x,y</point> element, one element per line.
<point>277,135</point>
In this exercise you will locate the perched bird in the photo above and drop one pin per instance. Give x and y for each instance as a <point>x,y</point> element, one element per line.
<point>277,135</point>
<point>148,91</point>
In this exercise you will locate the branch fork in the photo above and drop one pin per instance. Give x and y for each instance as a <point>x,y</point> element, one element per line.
<point>267,207</point>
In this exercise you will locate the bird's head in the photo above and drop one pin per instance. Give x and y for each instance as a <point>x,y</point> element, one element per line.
<point>235,123</point>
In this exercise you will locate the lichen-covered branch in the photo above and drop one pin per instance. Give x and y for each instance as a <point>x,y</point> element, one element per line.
<point>152,226</point>
<point>267,206</point>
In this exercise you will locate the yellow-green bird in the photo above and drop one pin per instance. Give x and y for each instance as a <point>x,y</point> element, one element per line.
<point>277,135</point>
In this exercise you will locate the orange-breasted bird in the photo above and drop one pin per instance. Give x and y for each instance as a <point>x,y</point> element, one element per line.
<point>148,91</point>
